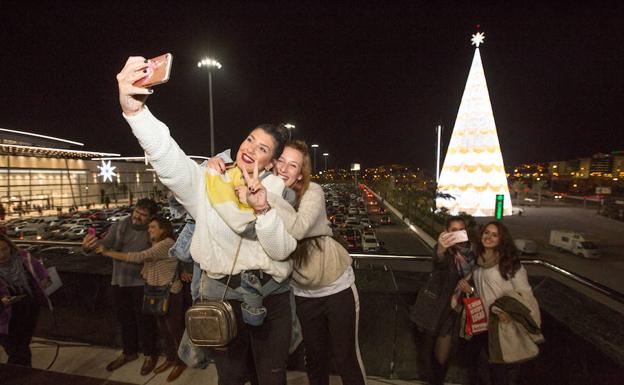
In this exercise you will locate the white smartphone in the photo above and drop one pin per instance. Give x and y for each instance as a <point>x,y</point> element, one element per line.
<point>460,236</point>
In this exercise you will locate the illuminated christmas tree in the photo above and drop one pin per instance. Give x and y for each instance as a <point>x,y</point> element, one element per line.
<point>473,172</point>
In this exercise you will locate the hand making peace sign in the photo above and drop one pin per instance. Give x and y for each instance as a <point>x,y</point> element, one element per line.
<point>256,192</point>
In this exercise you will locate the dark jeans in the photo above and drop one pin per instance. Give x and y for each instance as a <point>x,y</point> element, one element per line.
<point>171,326</point>
<point>135,326</point>
<point>330,325</point>
<point>263,347</point>
<point>16,344</point>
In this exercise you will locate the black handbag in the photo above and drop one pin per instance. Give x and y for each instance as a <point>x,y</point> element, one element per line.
<point>430,303</point>
<point>211,322</point>
<point>156,298</point>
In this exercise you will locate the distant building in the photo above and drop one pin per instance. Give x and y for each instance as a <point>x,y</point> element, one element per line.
<point>580,175</point>
<point>38,171</point>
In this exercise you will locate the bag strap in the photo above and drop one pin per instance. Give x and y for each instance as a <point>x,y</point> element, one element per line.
<point>227,284</point>
<point>175,274</point>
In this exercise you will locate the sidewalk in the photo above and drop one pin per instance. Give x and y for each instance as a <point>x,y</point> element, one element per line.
<point>90,361</point>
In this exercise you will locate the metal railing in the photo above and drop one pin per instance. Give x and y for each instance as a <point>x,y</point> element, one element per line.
<point>587,282</point>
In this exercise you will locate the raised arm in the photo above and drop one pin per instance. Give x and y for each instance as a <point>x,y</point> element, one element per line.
<point>311,210</point>
<point>275,240</point>
<point>175,170</point>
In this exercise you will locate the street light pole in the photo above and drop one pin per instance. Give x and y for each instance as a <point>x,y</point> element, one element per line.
<point>314,147</point>
<point>212,150</point>
<point>325,155</point>
<point>209,64</point>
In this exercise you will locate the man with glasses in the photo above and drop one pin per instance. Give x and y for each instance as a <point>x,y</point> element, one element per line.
<point>130,235</point>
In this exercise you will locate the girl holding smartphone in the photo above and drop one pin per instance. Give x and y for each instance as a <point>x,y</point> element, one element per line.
<point>453,260</point>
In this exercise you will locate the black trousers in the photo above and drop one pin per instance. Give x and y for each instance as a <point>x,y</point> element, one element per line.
<point>16,344</point>
<point>330,325</point>
<point>499,374</point>
<point>171,325</point>
<point>135,326</point>
<point>258,353</point>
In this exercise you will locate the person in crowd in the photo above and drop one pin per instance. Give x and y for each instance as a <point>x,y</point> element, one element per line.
<point>226,232</point>
<point>22,283</point>
<point>498,277</point>
<point>323,280</point>
<point>453,259</point>
<point>160,270</point>
<point>130,235</point>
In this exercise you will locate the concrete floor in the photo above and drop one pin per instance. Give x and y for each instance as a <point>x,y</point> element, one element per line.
<point>90,361</point>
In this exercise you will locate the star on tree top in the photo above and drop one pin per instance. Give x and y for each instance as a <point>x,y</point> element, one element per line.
<point>477,38</point>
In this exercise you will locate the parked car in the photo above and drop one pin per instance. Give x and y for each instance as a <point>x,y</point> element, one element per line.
<point>353,235</point>
<point>385,220</point>
<point>76,222</point>
<point>76,232</point>
<point>366,223</point>
<point>526,246</point>
<point>369,243</point>
<point>120,216</point>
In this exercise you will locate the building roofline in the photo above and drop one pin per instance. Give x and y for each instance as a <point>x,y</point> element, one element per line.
<point>50,151</point>
<point>42,136</point>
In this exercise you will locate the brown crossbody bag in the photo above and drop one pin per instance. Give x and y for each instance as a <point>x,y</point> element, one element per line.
<point>211,322</point>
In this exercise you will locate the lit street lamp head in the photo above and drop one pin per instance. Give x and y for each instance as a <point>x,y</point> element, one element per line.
<point>314,146</point>
<point>209,63</point>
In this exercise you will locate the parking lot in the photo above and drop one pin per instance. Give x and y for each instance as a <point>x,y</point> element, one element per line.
<point>536,222</point>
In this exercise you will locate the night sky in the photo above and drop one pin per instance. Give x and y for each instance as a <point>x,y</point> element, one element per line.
<point>367,81</point>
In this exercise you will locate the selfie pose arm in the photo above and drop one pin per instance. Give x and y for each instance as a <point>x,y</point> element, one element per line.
<point>309,220</point>
<point>269,227</point>
<point>174,169</point>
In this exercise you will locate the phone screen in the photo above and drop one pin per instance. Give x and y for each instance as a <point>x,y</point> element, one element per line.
<point>159,69</point>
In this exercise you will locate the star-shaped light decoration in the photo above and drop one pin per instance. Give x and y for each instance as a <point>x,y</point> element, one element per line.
<point>107,172</point>
<point>477,38</point>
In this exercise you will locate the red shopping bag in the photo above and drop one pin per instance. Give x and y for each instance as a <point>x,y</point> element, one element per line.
<point>476,316</point>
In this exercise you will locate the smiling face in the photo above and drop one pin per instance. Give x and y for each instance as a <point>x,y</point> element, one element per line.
<point>288,166</point>
<point>140,216</point>
<point>155,232</point>
<point>490,237</point>
<point>257,147</point>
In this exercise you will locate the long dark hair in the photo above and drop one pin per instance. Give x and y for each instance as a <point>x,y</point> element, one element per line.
<point>304,249</point>
<point>508,262</point>
<point>279,133</point>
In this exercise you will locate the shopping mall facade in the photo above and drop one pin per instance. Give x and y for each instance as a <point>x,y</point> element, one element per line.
<point>48,172</point>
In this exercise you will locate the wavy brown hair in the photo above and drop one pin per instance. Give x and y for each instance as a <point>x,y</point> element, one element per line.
<point>508,262</point>
<point>302,185</point>
<point>304,246</point>
<point>165,225</point>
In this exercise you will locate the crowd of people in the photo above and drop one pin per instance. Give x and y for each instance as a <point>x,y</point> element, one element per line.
<point>257,231</point>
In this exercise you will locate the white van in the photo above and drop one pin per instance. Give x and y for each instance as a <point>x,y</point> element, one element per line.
<point>574,242</point>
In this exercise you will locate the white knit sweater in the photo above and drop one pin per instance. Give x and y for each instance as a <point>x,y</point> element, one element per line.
<point>214,243</point>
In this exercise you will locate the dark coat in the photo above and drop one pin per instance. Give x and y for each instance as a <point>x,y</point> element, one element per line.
<point>433,304</point>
